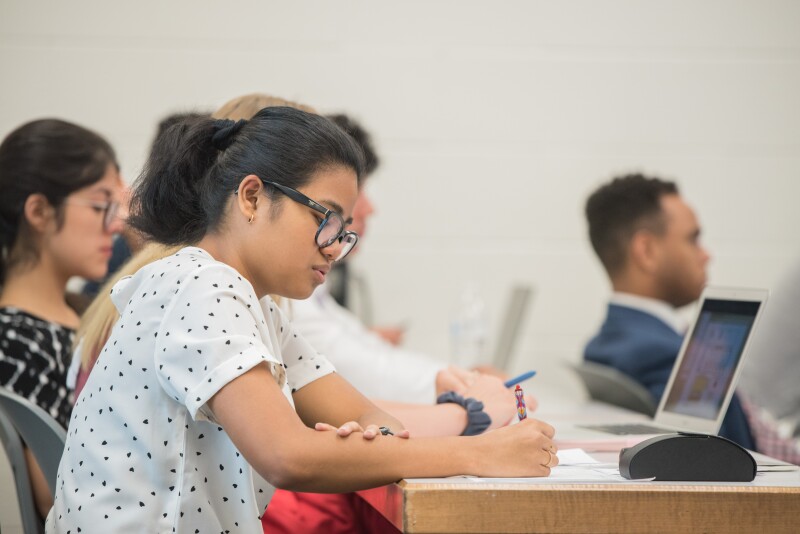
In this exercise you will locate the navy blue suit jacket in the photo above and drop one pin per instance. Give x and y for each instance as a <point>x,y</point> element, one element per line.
<point>645,348</point>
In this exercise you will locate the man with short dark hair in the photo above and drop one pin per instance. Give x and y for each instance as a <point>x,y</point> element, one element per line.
<point>648,240</point>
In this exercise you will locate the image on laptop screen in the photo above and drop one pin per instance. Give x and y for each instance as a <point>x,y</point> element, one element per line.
<point>707,369</point>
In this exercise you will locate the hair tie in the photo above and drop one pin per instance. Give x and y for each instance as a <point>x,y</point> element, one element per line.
<point>225,131</point>
<point>477,420</point>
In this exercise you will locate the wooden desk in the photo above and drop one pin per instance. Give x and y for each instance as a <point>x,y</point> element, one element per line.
<point>770,504</point>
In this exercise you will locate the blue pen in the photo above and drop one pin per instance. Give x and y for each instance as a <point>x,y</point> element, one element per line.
<point>521,378</point>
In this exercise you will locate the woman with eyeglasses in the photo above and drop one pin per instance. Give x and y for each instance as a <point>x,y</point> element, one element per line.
<point>202,387</point>
<point>59,186</point>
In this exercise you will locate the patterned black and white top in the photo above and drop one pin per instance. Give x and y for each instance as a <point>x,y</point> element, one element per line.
<point>34,358</point>
<point>143,451</point>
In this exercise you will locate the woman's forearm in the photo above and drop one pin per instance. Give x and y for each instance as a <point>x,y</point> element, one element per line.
<point>379,417</point>
<point>291,455</point>
<point>352,463</point>
<point>428,420</point>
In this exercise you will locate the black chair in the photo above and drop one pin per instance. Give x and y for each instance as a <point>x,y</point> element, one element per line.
<point>606,384</point>
<point>28,517</point>
<point>40,432</point>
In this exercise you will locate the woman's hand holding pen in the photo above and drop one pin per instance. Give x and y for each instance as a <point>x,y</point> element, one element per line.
<point>524,449</point>
<point>371,432</point>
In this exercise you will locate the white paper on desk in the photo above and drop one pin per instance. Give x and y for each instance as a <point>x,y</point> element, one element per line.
<point>568,474</point>
<point>575,457</point>
<point>765,464</point>
<point>575,465</point>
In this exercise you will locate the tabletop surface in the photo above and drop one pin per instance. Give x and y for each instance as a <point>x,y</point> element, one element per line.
<point>770,503</point>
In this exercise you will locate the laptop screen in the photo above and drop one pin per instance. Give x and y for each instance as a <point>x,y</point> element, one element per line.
<point>511,326</point>
<point>704,377</point>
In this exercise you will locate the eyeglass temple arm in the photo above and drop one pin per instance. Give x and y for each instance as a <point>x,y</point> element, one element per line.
<point>299,197</point>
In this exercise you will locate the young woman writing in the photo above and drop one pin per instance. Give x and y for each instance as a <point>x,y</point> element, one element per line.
<point>199,383</point>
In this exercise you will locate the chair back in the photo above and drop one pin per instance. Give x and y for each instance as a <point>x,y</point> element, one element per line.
<point>15,456</point>
<point>40,432</point>
<point>606,384</point>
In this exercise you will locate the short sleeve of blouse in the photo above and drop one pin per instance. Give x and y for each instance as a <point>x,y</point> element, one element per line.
<point>302,362</point>
<point>213,331</point>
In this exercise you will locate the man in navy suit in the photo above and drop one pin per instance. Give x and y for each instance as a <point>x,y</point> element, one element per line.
<point>648,240</point>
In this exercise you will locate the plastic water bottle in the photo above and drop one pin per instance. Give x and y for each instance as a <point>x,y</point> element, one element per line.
<point>468,329</point>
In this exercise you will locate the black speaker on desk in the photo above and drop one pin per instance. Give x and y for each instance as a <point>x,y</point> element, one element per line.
<point>688,457</point>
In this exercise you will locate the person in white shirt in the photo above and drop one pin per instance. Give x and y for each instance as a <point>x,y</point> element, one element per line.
<point>200,385</point>
<point>377,368</point>
<point>371,358</point>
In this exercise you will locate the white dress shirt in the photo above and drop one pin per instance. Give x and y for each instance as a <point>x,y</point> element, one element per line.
<point>375,367</point>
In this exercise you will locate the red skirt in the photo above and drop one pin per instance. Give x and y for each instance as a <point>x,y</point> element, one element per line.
<point>330,513</point>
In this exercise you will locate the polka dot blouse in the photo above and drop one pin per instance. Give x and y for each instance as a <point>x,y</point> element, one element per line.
<point>143,452</point>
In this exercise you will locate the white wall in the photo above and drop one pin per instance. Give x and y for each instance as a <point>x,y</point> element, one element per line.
<point>494,121</point>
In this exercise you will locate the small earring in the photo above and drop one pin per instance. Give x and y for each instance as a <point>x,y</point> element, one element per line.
<point>252,216</point>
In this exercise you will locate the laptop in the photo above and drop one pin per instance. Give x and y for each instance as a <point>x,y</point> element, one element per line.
<point>704,375</point>
<point>518,304</point>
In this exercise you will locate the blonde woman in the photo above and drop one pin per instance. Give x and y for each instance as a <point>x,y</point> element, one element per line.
<point>246,106</point>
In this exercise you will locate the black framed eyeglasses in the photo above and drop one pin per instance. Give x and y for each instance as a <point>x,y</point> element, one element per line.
<point>332,227</point>
<point>108,208</point>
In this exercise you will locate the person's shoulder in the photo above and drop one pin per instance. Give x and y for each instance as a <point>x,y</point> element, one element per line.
<point>630,334</point>
<point>618,311</point>
<point>10,314</point>
<point>189,273</point>
<point>18,327</point>
<point>11,317</point>
<point>637,322</point>
<point>190,265</point>
<point>277,313</point>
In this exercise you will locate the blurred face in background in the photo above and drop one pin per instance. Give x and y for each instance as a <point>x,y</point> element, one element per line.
<point>82,245</point>
<point>362,211</point>
<point>681,271</point>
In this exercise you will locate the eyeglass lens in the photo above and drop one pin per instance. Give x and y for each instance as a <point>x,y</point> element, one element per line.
<point>329,230</point>
<point>111,212</point>
<point>349,240</point>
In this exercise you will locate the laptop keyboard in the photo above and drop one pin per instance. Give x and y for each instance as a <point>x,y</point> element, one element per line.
<point>628,429</point>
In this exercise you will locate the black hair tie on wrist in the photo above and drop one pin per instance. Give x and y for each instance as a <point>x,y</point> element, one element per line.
<point>225,131</point>
<point>477,420</point>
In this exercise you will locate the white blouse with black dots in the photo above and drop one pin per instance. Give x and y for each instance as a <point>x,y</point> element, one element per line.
<point>143,451</point>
